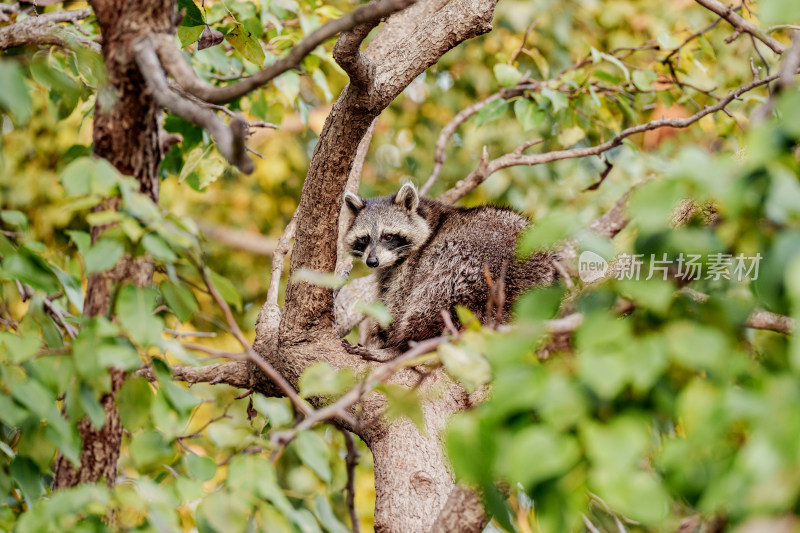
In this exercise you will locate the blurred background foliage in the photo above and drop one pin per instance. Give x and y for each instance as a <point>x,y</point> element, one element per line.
<point>672,411</point>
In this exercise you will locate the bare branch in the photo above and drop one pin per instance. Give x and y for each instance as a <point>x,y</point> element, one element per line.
<point>184,75</point>
<point>248,241</point>
<point>514,159</point>
<point>260,362</point>
<point>341,406</point>
<point>351,461</point>
<point>760,319</point>
<point>741,25</point>
<point>440,156</point>
<point>344,262</point>
<point>44,29</point>
<point>230,140</point>
<point>791,62</point>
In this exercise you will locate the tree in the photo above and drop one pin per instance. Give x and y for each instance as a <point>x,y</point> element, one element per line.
<point>637,422</point>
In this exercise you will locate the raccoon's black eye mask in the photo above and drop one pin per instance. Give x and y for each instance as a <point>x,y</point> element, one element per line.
<point>360,244</point>
<point>394,241</point>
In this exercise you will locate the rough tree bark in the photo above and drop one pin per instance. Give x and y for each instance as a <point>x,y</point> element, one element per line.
<point>127,135</point>
<point>412,477</point>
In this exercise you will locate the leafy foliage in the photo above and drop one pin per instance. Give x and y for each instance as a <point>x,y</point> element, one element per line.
<point>671,410</point>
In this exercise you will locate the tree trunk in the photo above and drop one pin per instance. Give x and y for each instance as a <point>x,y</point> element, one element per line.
<point>412,477</point>
<point>127,135</point>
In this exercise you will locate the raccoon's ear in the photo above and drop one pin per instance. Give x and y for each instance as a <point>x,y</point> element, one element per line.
<point>354,202</point>
<point>407,197</point>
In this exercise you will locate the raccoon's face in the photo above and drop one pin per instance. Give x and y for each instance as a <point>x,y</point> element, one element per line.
<point>386,230</point>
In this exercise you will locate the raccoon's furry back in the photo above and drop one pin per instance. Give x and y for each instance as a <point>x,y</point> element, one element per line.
<point>462,248</point>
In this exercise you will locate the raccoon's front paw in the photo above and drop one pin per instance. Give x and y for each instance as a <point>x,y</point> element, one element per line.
<point>366,353</point>
<point>355,349</point>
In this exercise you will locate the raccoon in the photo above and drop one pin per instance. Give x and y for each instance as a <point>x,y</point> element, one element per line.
<point>429,256</point>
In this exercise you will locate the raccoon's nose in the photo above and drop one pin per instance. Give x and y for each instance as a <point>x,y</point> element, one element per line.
<point>372,261</point>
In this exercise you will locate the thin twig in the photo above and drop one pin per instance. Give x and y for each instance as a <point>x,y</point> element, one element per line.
<point>350,462</point>
<point>514,159</point>
<point>741,25</point>
<point>265,366</point>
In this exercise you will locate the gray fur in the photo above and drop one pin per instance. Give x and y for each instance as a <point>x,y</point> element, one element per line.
<point>440,262</point>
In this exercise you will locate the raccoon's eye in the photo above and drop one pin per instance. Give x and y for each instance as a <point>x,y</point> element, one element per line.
<point>388,237</point>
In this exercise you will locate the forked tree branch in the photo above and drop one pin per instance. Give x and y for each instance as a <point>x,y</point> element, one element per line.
<point>186,77</point>
<point>45,29</point>
<point>230,139</point>
<point>741,25</point>
<point>517,158</point>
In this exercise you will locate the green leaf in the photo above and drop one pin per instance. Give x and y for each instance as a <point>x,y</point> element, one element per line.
<point>213,167</point>
<point>327,517</point>
<point>133,403</point>
<point>192,160</point>
<point>491,111</point>
<point>14,97</point>
<point>468,318</point>
<point>288,83</point>
<point>377,311</point>
<point>14,218</point>
<point>246,44</point>
<point>134,309</point>
<point>225,511</point>
<point>180,299</point>
<point>403,403</point>
<point>535,454</point>
<point>667,41</point>
<point>780,11</point>
<point>72,288</point>
<point>275,410</point>
<point>571,136</point>
<point>696,346</point>
<point>507,75</point>
<point>226,289</point>
<point>557,98</point>
<point>193,16</point>
<point>643,79</point>
<point>189,34</point>
<point>546,232</point>
<point>20,348</point>
<point>313,451</point>
<point>201,468</point>
<point>466,365</point>
<point>329,280</point>
<point>321,379</point>
<point>103,255</point>
<point>528,114</point>
<point>30,269</point>
<point>91,406</point>
<point>149,449</point>
<point>158,247</point>
<point>27,476</point>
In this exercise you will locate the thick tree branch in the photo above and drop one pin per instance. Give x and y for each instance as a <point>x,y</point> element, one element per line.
<point>44,29</point>
<point>185,76</point>
<point>741,25</point>
<point>516,157</point>
<point>230,140</point>
<point>347,53</point>
<point>342,406</point>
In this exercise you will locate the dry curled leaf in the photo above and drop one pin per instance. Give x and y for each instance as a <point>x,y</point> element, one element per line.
<point>210,37</point>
